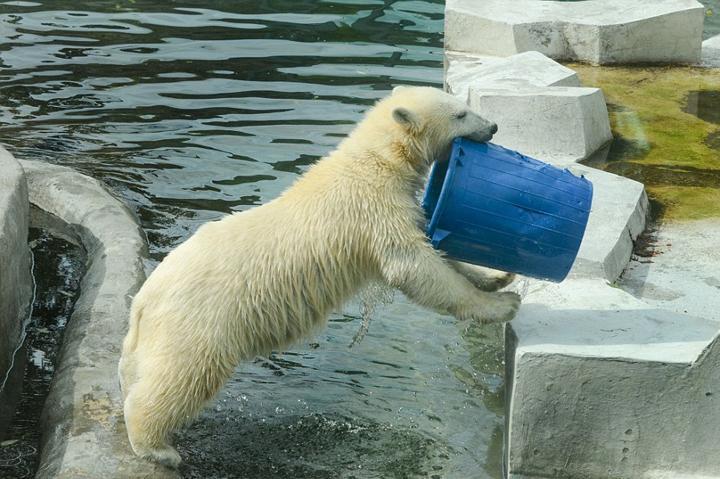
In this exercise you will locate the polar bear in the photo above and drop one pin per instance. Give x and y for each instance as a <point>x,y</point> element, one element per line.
<point>259,280</point>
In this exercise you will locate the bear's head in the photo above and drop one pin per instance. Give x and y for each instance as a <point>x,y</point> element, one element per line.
<point>426,120</point>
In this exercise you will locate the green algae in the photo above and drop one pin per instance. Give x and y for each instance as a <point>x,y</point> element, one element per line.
<point>666,124</point>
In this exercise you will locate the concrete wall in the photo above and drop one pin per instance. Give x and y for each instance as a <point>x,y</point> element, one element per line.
<point>602,385</point>
<point>83,429</point>
<point>15,274</point>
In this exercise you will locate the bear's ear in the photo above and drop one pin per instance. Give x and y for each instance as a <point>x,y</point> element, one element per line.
<point>398,88</point>
<point>405,117</point>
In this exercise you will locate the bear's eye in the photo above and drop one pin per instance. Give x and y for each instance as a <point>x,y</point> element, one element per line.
<point>461,115</point>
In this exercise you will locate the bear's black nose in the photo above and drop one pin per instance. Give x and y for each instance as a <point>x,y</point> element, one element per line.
<point>493,129</point>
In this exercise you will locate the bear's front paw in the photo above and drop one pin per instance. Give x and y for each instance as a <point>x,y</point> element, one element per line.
<point>502,308</point>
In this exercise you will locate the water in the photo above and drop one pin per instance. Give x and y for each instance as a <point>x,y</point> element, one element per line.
<point>666,135</point>
<point>704,104</point>
<point>57,269</point>
<point>191,110</point>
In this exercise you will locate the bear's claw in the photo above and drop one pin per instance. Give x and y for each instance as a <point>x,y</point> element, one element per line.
<point>503,307</point>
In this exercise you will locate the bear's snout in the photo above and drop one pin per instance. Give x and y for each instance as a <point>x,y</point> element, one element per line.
<point>484,134</point>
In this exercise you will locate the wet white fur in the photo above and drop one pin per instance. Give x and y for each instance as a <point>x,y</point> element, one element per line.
<point>259,280</point>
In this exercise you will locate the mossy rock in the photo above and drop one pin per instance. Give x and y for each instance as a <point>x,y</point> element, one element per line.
<point>666,123</point>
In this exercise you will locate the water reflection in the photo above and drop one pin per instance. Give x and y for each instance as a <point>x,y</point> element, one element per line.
<point>704,104</point>
<point>664,122</point>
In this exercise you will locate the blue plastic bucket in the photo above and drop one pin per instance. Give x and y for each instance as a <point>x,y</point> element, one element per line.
<point>494,207</point>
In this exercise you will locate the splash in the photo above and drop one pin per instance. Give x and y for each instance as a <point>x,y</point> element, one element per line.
<point>25,323</point>
<point>374,295</point>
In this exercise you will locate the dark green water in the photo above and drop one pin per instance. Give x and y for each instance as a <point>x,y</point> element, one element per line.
<point>57,268</point>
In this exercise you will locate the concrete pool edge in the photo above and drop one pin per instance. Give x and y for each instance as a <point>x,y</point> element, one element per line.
<point>83,428</point>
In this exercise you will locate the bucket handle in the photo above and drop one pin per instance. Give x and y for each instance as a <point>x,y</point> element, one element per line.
<point>438,237</point>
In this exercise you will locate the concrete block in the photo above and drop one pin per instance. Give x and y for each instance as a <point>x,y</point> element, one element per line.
<point>595,31</point>
<point>630,378</point>
<point>529,69</point>
<point>711,52</point>
<point>601,385</point>
<point>15,274</point>
<point>83,429</point>
<point>461,70</point>
<point>618,216</point>
<point>560,125</point>
<point>678,269</point>
<point>538,104</point>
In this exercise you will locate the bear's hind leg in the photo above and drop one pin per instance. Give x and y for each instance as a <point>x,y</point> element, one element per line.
<point>126,373</point>
<point>161,401</point>
<point>148,429</point>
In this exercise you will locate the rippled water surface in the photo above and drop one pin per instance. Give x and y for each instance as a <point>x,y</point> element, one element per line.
<point>192,110</point>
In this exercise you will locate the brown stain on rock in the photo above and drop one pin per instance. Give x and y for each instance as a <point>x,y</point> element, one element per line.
<point>97,411</point>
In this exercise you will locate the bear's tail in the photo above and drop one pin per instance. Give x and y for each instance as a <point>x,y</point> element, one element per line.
<point>131,339</point>
<point>126,366</point>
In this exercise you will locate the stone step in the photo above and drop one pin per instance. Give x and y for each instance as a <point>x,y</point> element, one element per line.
<point>539,106</point>
<point>463,71</point>
<point>617,217</point>
<point>711,52</point>
<point>634,388</point>
<point>595,31</point>
<point>560,125</point>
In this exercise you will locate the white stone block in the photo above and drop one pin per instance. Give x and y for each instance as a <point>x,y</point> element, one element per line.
<point>679,269</point>
<point>618,215</point>
<point>595,31</point>
<point>518,71</point>
<point>711,52</point>
<point>559,125</point>
<point>601,385</point>
<point>537,103</point>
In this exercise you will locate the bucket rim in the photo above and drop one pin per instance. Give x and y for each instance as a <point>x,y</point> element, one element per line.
<point>444,190</point>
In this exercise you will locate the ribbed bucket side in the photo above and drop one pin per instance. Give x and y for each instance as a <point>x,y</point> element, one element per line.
<point>510,212</point>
